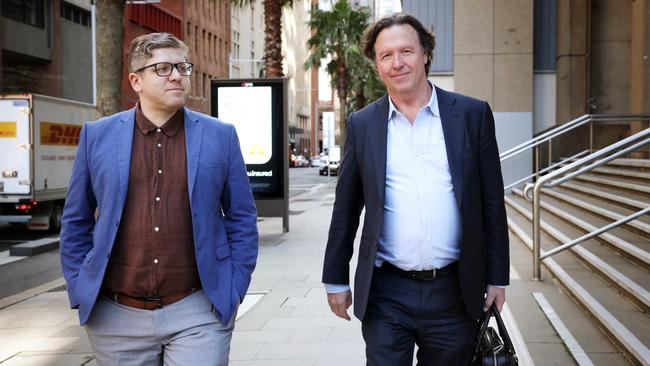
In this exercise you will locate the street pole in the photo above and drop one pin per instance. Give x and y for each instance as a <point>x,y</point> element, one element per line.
<point>93,27</point>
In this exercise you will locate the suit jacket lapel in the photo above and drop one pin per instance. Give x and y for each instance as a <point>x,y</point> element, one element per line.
<point>124,144</point>
<point>453,127</point>
<point>379,130</point>
<point>193,137</point>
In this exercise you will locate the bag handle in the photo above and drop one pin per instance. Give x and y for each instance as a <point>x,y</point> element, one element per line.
<point>483,328</point>
<point>503,332</point>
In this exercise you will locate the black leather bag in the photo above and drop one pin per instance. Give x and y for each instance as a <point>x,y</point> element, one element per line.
<point>492,348</point>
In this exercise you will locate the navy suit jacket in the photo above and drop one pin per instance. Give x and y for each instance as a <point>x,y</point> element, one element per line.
<point>468,128</point>
<point>224,218</point>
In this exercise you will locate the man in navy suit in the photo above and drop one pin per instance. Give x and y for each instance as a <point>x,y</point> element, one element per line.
<point>159,236</point>
<point>433,252</point>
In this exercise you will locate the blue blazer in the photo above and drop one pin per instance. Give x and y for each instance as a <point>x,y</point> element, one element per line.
<point>468,127</point>
<point>224,218</point>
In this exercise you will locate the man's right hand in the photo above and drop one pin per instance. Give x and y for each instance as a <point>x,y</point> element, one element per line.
<point>340,302</point>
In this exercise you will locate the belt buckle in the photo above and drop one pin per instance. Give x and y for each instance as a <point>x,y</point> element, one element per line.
<point>426,277</point>
<point>157,299</point>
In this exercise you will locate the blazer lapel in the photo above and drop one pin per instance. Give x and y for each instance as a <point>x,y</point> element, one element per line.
<point>453,127</point>
<point>193,137</point>
<point>379,129</point>
<point>124,144</point>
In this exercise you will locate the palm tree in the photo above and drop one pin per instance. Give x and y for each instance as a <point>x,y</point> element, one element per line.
<point>272,33</point>
<point>337,35</point>
<point>110,35</point>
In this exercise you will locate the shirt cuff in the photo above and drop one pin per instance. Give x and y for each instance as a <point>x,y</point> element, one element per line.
<point>334,289</point>
<point>497,286</point>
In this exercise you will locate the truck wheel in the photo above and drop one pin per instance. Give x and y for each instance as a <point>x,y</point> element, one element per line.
<point>55,217</point>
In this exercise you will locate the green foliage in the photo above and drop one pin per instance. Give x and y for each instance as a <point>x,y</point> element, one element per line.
<point>337,35</point>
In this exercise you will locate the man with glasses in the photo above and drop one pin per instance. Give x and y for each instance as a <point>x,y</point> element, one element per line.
<point>159,235</point>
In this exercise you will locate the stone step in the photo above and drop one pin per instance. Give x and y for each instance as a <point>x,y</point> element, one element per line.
<point>643,189</point>
<point>604,268</point>
<point>606,312</point>
<point>609,194</point>
<point>643,164</point>
<point>603,207</point>
<point>623,172</point>
<point>636,248</point>
<point>533,323</point>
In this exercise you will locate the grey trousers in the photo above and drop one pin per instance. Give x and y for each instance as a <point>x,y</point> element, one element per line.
<point>186,332</point>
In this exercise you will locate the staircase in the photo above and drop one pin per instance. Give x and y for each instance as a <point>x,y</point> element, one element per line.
<point>607,276</point>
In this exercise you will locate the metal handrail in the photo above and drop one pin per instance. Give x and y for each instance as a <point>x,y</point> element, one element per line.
<point>551,180</point>
<point>566,127</point>
<point>550,167</point>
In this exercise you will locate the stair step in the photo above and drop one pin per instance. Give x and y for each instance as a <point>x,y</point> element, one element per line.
<point>637,294</point>
<point>623,337</point>
<point>622,184</point>
<point>631,163</point>
<point>639,255</point>
<point>544,344</point>
<point>630,200</point>
<point>604,208</point>
<point>624,173</point>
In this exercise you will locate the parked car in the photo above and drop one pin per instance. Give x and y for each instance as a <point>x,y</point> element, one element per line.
<point>300,161</point>
<point>332,168</point>
<point>315,161</point>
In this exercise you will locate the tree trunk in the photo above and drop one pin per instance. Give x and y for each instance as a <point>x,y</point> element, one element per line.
<point>343,117</point>
<point>110,35</point>
<point>273,38</point>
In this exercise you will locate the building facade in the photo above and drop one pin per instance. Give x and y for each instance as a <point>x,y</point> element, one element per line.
<point>247,38</point>
<point>46,48</point>
<point>204,25</point>
<point>300,115</point>
<point>540,63</point>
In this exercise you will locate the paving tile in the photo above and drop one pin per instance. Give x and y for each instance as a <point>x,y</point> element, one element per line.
<point>244,351</point>
<point>301,362</point>
<point>48,360</point>
<point>311,335</point>
<point>262,336</point>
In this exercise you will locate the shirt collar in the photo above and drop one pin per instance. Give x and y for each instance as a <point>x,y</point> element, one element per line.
<point>432,106</point>
<point>169,128</point>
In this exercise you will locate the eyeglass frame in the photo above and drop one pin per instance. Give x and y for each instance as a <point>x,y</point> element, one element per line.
<point>174,66</point>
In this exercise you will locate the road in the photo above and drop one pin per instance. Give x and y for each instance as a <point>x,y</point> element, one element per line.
<point>30,272</point>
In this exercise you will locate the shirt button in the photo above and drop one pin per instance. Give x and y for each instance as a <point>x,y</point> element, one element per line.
<point>157,199</point>
<point>156,228</point>
<point>155,261</point>
<point>158,130</point>
<point>159,145</point>
<point>159,171</point>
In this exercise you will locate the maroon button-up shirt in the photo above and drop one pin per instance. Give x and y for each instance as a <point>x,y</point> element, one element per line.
<point>153,253</point>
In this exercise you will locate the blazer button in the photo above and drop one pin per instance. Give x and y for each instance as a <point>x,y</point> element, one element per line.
<point>108,254</point>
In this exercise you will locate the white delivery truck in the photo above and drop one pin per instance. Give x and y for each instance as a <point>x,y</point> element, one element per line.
<point>38,143</point>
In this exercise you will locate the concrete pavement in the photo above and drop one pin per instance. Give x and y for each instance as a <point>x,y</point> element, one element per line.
<point>285,319</point>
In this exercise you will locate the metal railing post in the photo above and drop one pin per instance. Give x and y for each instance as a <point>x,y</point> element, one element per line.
<point>536,157</point>
<point>537,272</point>
<point>591,136</point>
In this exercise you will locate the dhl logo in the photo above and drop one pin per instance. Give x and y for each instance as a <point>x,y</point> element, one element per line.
<point>8,129</point>
<point>60,134</point>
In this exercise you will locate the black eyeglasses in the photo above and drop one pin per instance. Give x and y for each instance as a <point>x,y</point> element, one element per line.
<point>166,68</point>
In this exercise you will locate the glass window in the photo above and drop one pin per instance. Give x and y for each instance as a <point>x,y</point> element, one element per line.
<point>30,12</point>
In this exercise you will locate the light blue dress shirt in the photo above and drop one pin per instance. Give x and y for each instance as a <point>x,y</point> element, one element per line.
<point>421,224</point>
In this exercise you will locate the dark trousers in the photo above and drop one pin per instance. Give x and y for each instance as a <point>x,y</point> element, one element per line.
<point>403,312</point>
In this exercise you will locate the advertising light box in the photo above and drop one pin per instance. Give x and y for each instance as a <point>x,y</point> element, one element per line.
<point>255,108</point>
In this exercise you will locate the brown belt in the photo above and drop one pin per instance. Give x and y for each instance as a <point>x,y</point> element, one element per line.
<point>420,275</point>
<point>145,302</point>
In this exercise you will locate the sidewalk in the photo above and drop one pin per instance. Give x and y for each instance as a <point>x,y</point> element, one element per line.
<point>286,319</point>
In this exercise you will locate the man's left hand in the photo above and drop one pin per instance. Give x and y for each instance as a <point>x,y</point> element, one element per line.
<point>496,295</point>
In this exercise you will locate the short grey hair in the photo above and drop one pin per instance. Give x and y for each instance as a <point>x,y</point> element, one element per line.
<point>142,46</point>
